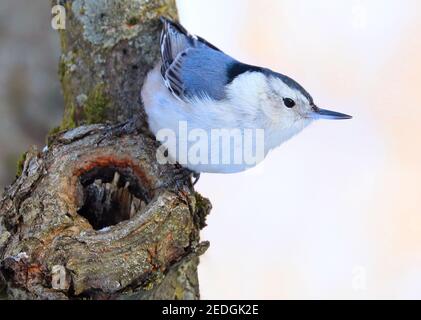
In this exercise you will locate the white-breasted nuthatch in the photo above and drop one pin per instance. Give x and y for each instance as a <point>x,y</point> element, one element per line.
<point>204,89</point>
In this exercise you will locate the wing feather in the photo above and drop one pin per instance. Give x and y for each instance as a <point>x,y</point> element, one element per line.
<point>191,66</point>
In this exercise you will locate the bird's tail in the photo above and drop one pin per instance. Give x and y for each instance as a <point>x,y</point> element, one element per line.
<point>175,39</point>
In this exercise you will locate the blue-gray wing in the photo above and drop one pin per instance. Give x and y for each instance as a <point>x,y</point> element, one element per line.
<point>191,66</point>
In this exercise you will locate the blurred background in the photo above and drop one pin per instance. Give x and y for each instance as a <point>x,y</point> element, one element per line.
<point>30,98</point>
<point>333,213</point>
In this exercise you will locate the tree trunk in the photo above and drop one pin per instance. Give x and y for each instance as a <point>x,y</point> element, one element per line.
<point>107,49</point>
<point>95,216</point>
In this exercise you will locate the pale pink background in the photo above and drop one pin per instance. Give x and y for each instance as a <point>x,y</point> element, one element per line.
<point>336,211</point>
<point>333,213</point>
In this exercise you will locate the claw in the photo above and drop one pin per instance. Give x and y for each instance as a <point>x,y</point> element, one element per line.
<point>125,128</point>
<point>196,177</point>
<point>181,178</point>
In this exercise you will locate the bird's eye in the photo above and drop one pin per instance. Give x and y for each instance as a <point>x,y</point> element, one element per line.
<point>289,103</point>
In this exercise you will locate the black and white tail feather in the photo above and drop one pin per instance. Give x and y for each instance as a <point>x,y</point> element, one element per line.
<point>175,43</point>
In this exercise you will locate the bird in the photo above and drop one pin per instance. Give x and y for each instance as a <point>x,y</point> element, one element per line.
<point>197,95</point>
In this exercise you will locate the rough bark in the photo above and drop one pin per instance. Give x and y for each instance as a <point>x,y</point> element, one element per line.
<point>93,217</point>
<point>107,49</point>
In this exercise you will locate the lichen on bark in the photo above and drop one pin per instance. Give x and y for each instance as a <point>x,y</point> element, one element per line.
<point>124,23</point>
<point>110,44</point>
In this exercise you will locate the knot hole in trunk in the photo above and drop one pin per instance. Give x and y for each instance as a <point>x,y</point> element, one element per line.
<point>111,195</point>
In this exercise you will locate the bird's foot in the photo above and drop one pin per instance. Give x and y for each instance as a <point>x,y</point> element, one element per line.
<point>131,126</point>
<point>182,173</point>
<point>181,177</point>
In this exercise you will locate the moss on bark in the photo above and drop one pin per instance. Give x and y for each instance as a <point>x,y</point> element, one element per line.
<point>19,166</point>
<point>111,45</point>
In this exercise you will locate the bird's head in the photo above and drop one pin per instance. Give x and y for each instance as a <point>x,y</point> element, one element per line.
<point>284,106</point>
<point>289,102</point>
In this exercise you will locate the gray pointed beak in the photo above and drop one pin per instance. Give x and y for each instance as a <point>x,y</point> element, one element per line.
<point>319,113</point>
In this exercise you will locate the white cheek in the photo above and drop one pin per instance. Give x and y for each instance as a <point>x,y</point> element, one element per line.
<point>273,114</point>
<point>248,90</point>
<point>277,114</point>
